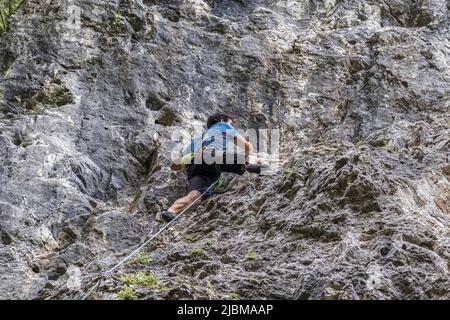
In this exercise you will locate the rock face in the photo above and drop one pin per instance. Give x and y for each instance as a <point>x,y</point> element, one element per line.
<point>91,91</point>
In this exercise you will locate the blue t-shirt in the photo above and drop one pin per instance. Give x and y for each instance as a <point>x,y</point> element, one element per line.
<point>217,137</point>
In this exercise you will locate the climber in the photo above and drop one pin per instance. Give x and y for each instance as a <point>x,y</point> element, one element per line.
<point>207,156</point>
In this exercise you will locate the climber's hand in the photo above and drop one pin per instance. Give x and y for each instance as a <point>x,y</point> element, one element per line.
<point>176,167</point>
<point>252,159</point>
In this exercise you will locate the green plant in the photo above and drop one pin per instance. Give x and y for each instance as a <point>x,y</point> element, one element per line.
<point>251,255</point>
<point>92,296</point>
<point>116,20</point>
<point>210,288</point>
<point>253,280</point>
<point>126,293</point>
<point>291,169</point>
<point>208,244</point>
<point>183,281</point>
<point>142,279</point>
<point>141,259</point>
<point>190,238</point>
<point>163,289</point>
<point>233,296</point>
<point>195,251</point>
<point>116,27</point>
<point>7,8</point>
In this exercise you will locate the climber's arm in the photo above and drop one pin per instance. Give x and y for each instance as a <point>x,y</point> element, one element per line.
<point>243,144</point>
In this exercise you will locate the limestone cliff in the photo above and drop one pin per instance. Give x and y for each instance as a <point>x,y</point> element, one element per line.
<point>91,91</point>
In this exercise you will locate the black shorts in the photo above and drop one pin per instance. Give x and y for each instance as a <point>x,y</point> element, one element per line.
<point>201,184</point>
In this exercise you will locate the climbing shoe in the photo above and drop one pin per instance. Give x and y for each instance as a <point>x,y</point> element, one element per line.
<point>167,216</point>
<point>253,168</point>
<point>262,169</point>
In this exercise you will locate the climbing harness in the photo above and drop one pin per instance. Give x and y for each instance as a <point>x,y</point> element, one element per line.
<point>108,272</point>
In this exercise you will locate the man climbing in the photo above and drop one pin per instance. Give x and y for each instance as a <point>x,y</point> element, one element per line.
<point>207,156</point>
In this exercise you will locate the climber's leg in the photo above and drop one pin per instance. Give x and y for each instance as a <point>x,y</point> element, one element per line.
<point>190,198</point>
<point>197,186</point>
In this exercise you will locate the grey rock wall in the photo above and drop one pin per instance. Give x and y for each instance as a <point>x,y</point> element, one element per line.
<point>91,91</point>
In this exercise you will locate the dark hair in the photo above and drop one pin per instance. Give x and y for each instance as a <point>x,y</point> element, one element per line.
<point>216,118</point>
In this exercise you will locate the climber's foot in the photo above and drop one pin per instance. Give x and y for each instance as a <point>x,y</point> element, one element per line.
<point>167,216</point>
<point>253,168</point>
